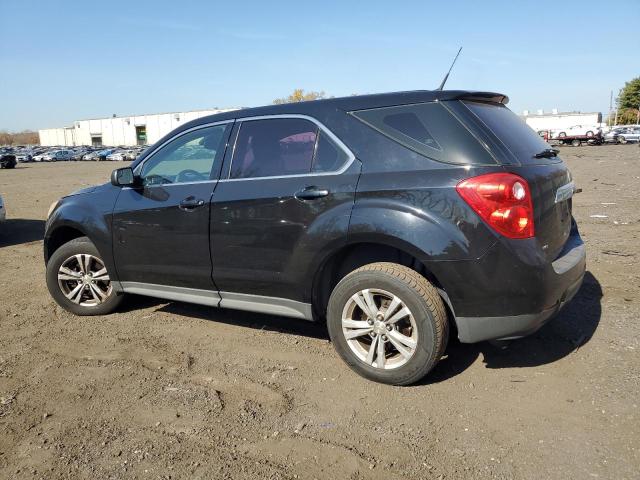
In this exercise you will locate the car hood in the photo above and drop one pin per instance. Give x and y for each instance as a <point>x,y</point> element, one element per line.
<point>92,189</point>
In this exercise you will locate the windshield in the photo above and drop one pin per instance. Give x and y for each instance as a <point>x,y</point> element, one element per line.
<point>511,130</point>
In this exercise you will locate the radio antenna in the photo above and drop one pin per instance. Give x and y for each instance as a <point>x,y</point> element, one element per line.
<point>446,77</point>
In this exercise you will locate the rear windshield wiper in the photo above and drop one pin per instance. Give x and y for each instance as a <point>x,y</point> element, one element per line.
<point>547,153</point>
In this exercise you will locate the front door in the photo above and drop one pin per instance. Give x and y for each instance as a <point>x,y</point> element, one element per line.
<point>161,230</point>
<point>286,196</point>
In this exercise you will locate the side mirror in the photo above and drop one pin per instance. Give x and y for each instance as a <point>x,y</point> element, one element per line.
<point>123,177</point>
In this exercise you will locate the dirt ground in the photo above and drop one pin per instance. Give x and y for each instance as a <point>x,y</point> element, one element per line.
<point>170,390</point>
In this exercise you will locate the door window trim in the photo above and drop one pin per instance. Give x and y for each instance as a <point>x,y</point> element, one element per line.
<point>336,141</point>
<point>139,167</point>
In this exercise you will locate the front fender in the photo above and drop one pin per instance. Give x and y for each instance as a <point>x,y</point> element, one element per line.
<point>89,214</point>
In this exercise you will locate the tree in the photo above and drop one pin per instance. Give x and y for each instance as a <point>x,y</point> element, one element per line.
<point>299,95</point>
<point>26,137</point>
<point>629,102</point>
<point>630,94</point>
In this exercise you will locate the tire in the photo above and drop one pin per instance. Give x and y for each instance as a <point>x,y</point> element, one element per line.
<point>622,140</point>
<point>425,325</point>
<point>562,135</point>
<point>575,142</point>
<point>65,255</point>
<point>589,133</point>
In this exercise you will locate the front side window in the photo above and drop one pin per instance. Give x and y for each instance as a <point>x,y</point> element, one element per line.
<point>274,147</point>
<point>188,158</point>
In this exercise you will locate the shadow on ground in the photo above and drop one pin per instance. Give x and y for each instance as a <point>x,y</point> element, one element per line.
<point>258,321</point>
<point>17,231</point>
<point>572,328</point>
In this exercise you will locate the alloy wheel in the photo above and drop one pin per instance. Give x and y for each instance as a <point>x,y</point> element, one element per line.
<point>84,280</point>
<point>379,328</point>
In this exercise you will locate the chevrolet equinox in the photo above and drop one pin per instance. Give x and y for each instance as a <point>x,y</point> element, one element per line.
<point>393,217</point>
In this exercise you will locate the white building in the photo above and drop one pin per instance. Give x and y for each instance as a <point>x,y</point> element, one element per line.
<point>557,120</point>
<point>115,131</point>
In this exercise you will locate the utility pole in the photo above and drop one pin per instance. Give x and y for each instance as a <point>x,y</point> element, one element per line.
<point>610,109</point>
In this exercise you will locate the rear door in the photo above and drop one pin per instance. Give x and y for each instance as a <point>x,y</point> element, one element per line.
<point>161,230</point>
<point>548,177</point>
<point>285,195</point>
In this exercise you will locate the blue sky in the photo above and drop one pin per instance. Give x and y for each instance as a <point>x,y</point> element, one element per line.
<point>67,60</point>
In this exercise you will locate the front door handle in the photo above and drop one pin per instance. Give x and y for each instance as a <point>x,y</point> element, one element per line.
<point>191,203</point>
<point>311,193</point>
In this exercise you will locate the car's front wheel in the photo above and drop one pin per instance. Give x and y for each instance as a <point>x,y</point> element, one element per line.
<point>388,323</point>
<point>78,279</point>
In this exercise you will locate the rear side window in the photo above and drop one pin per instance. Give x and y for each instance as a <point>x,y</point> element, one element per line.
<point>511,130</point>
<point>274,147</point>
<point>429,129</point>
<point>409,125</point>
<point>328,156</point>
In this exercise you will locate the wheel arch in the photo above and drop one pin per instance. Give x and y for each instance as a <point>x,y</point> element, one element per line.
<point>359,253</point>
<point>59,236</point>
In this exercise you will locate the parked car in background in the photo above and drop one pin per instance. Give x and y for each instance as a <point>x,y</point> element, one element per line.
<point>629,135</point>
<point>297,210</point>
<point>39,156</point>
<point>575,131</point>
<point>117,156</point>
<point>7,158</point>
<point>25,156</point>
<point>102,155</point>
<point>132,154</point>
<point>58,156</point>
<point>78,153</point>
<point>91,155</point>
<point>612,135</point>
<point>3,210</point>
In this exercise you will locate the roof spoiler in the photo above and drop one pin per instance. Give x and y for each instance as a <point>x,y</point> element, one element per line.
<point>484,97</point>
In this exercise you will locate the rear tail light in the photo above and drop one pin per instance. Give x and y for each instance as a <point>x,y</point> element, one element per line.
<point>503,200</point>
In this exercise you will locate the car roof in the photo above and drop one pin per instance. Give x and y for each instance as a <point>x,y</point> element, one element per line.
<point>355,102</point>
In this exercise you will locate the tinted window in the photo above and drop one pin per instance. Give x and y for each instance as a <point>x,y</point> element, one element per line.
<point>188,158</point>
<point>409,125</point>
<point>274,147</point>
<point>511,130</point>
<point>429,129</point>
<point>329,157</point>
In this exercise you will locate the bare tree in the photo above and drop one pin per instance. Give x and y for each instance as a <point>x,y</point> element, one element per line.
<point>26,137</point>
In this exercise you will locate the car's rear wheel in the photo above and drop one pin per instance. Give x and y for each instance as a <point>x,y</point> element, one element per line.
<point>78,279</point>
<point>622,140</point>
<point>388,323</point>
<point>589,133</point>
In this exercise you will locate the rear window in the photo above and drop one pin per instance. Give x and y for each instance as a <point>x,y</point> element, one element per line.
<point>511,130</point>
<point>428,129</point>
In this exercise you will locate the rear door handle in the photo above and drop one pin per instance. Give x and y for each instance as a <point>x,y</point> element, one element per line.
<point>191,203</point>
<point>311,193</point>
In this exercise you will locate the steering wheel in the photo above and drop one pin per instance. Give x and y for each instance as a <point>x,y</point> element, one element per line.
<point>189,176</point>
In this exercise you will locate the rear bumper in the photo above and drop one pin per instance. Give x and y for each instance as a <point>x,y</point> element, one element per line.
<point>514,289</point>
<point>477,329</point>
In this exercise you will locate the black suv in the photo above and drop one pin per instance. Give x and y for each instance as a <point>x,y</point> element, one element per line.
<point>395,217</point>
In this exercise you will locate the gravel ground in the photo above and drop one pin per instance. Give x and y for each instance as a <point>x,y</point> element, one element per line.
<point>170,390</point>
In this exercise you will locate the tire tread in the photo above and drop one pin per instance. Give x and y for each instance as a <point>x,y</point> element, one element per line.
<point>432,299</point>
